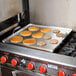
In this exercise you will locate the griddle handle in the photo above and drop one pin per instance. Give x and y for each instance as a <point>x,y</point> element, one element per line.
<point>16,29</point>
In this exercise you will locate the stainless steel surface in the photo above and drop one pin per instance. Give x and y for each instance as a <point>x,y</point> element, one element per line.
<point>63,60</point>
<point>8,29</point>
<point>48,47</point>
<point>9,8</point>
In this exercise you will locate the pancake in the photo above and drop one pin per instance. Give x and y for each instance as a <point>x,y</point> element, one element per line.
<point>29,41</point>
<point>54,41</point>
<point>46,37</point>
<point>33,28</point>
<point>26,33</point>
<point>45,30</point>
<point>59,34</point>
<point>41,43</point>
<point>37,35</point>
<point>56,31</point>
<point>16,39</point>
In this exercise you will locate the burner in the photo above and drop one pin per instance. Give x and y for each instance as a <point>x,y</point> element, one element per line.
<point>70,49</point>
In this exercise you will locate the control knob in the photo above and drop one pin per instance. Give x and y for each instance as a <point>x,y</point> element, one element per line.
<point>14,61</point>
<point>30,66</point>
<point>73,74</point>
<point>4,59</point>
<point>60,73</point>
<point>42,69</point>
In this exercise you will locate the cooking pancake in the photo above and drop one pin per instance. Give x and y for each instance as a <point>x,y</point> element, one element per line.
<point>26,33</point>
<point>56,31</point>
<point>16,39</point>
<point>59,34</point>
<point>37,35</point>
<point>54,41</point>
<point>33,28</point>
<point>41,43</point>
<point>29,41</point>
<point>46,37</point>
<point>45,30</point>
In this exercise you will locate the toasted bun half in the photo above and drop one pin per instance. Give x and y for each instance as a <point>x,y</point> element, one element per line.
<point>16,39</point>
<point>29,41</point>
<point>26,33</point>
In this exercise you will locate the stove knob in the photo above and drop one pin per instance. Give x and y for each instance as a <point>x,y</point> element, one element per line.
<point>30,66</point>
<point>14,62</point>
<point>4,59</point>
<point>42,69</point>
<point>73,74</point>
<point>60,73</point>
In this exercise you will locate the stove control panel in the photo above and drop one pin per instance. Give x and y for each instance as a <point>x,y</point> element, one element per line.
<point>35,66</point>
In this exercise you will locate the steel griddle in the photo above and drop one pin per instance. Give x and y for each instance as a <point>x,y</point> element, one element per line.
<point>48,47</point>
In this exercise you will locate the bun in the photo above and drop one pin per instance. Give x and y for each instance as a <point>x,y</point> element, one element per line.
<point>37,35</point>
<point>26,33</point>
<point>16,39</point>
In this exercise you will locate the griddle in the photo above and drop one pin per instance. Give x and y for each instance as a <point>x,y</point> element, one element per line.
<point>48,47</point>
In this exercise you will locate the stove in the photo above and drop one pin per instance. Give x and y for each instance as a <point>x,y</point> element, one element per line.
<point>17,60</point>
<point>36,62</point>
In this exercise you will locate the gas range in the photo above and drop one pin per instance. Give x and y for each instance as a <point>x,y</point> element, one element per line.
<point>70,48</point>
<point>41,63</point>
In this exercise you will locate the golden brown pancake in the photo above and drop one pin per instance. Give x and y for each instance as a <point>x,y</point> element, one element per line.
<point>16,39</point>
<point>59,34</point>
<point>29,41</point>
<point>56,31</point>
<point>37,35</point>
<point>41,43</point>
<point>54,41</point>
<point>33,28</point>
<point>45,30</point>
<point>26,33</point>
<point>46,37</point>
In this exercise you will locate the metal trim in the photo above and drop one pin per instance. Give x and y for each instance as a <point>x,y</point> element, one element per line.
<point>7,29</point>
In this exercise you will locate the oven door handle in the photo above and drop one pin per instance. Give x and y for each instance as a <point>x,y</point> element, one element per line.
<point>15,72</point>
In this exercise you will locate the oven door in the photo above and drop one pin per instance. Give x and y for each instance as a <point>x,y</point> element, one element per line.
<point>8,71</point>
